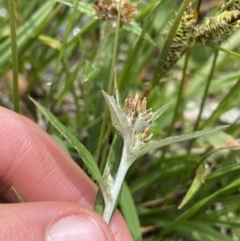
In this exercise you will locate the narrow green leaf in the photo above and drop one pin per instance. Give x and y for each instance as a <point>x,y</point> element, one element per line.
<point>49,41</point>
<point>199,205</point>
<point>230,170</point>
<point>224,50</point>
<point>14,47</point>
<point>114,155</point>
<point>198,181</point>
<point>136,29</point>
<point>149,8</point>
<point>159,112</point>
<point>83,7</point>
<point>129,212</point>
<point>18,196</point>
<point>201,232</point>
<point>75,143</point>
<point>99,203</point>
<point>132,56</point>
<point>28,30</point>
<point>157,144</point>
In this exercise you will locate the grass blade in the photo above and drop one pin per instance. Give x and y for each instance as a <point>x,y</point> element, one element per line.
<point>75,143</point>
<point>129,211</point>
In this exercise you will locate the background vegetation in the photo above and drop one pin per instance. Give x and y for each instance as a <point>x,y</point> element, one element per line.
<point>65,57</point>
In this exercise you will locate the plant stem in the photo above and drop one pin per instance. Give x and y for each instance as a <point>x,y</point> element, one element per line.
<point>12,20</point>
<point>206,91</point>
<point>110,84</point>
<point>196,126</point>
<point>222,105</point>
<point>178,103</point>
<point>115,188</point>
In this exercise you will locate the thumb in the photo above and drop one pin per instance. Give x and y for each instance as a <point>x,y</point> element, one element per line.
<point>51,221</point>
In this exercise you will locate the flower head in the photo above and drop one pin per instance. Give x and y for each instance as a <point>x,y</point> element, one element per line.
<point>108,9</point>
<point>139,117</point>
<point>133,121</point>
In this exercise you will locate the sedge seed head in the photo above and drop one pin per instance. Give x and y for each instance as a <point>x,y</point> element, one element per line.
<point>219,28</point>
<point>180,41</point>
<point>229,6</point>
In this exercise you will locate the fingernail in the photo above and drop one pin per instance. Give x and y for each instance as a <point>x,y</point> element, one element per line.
<point>77,228</point>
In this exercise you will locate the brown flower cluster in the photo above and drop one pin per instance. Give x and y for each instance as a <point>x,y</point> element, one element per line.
<point>135,110</point>
<point>109,9</point>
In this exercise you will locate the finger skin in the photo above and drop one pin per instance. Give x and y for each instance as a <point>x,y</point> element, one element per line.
<point>30,221</point>
<point>35,165</point>
<point>40,170</point>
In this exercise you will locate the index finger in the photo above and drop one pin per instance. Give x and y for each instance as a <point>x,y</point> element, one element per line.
<point>40,170</point>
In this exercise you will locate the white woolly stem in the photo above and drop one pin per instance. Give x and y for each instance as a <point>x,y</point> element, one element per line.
<point>115,188</point>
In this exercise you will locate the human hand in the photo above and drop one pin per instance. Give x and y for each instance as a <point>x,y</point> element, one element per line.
<point>58,195</point>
